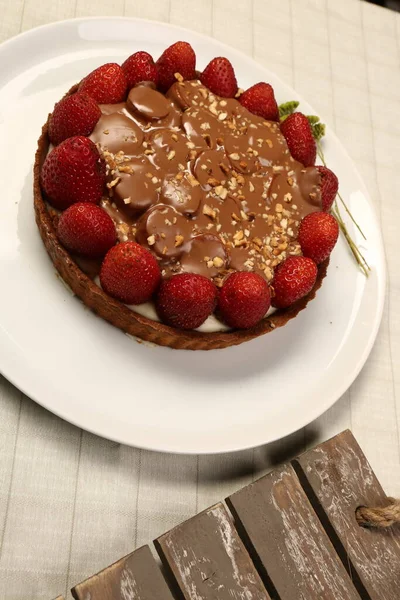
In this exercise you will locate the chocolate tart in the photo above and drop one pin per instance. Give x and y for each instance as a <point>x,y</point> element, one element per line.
<point>120,315</point>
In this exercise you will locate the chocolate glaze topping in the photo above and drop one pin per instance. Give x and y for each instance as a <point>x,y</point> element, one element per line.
<point>204,184</point>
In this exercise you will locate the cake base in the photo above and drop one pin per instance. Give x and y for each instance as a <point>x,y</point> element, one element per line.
<point>124,318</point>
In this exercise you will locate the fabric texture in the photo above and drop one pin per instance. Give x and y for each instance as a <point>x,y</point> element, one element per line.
<point>72,503</point>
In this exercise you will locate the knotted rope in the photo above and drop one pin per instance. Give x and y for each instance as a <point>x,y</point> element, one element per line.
<point>380,517</point>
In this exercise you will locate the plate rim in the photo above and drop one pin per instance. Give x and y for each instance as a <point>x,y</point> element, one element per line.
<point>381,266</point>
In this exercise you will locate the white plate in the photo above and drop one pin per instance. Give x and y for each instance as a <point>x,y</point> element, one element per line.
<point>94,376</point>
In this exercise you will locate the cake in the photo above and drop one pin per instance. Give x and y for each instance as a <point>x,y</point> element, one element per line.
<point>197,187</point>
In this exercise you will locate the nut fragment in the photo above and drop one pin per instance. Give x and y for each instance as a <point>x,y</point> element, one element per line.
<point>151,240</point>
<point>171,155</point>
<point>234,156</point>
<point>218,262</point>
<point>179,239</point>
<point>210,212</point>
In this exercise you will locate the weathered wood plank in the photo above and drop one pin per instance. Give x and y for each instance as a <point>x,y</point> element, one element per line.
<point>208,560</point>
<point>338,478</point>
<point>287,542</point>
<point>134,576</point>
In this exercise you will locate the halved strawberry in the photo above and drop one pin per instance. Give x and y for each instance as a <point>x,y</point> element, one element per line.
<point>106,84</point>
<point>178,58</point>
<point>299,138</point>
<point>318,234</point>
<point>260,100</point>
<point>74,115</point>
<point>219,77</point>
<point>140,67</point>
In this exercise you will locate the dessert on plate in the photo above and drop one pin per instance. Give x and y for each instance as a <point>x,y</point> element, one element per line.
<point>179,208</point>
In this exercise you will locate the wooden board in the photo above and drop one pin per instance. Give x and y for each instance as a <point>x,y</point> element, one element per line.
<point>208,560</point>
<point>287,542</point>
<point>338,478</point>
<point>134,577</point>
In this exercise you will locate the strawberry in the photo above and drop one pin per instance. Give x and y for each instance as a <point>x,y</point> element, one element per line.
<point>130,273</point>
<point>299,138</point>
<point>219,77</point>
<point>293,279</point>
<point>74,115</point>
<point>73,172</point>
<point>318,234</point>
<point>178,58</point>
<point>260,100</point>
<point>329,187</point>
<point>140,67</point>
<point>106,84</point>
<point>244,300</point>
<point>86,229</point>
<point>186,300</point>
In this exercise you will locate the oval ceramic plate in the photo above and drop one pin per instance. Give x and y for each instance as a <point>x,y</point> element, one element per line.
<point>91,374</point>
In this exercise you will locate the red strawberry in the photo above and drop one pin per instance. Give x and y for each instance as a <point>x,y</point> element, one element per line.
<point>220,78</point>
<point>299,138</point>
<point>260,100</point>
<point>244,300</point>
<point>186,300</point>
<point>329,187</point>
<point>73,115</point>
<point>106,84</point>
<point>318,234</point>
<point>178,58</point>
<point>86,229</point>
<point>130,273</point>
<point>140,67</point>
<point>293,279</point>
<point>73,172</point>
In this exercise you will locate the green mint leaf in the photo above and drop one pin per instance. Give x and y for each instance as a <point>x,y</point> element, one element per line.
<point>313,119</point>
<point>318,130</point>
<point>287,108</point>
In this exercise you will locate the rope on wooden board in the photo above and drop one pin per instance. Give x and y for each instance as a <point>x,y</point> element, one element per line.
<point>379,517</point>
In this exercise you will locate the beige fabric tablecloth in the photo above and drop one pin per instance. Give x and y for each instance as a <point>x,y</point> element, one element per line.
<point>71,503</point>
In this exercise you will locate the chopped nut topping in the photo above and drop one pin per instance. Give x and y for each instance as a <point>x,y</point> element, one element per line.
<point>243,215</point>
<point>179,239</point>
<point>178,77</point>
<point>222,116</point>
<point>171,155</point>
<point>213,182</point>
<point>113,183</point>
<point>251,186</point>
<point>234,156</point>
<point>192,180</point>
<point>279,208</point>
<point>210,212</point>
<point>151,240</point>
<point>127,200</point>
<point>218,262</point>
<point>290,181</point>
<point>154,180</point>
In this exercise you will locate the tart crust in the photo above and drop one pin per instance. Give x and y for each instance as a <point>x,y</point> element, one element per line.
<point>126,319</point>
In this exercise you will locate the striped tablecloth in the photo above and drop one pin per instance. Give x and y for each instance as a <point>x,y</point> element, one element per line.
<point>71,503</point>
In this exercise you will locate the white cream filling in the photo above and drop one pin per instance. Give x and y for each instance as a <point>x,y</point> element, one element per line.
<point>210,325</point>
